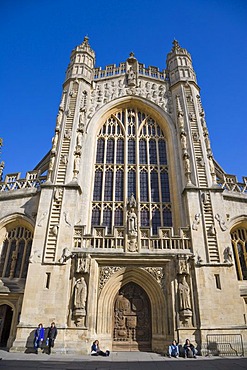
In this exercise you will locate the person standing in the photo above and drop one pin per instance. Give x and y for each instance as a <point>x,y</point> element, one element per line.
<point>51,336</point>
<point>39,337</point>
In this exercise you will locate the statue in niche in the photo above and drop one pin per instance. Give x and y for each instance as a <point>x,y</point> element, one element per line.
<point>59,118</point>
<point>184,294</point>
<point>132,222</point>
<point>77,160</point>
<point>187,167</point>
<point>183,141</point>
<point>79,140</point>
<point>187,163</point>
<point>207,143</point>
<point>51,166</point>
<point>54,143</point>
<point>181,120</point>
<point>131,77</point>
<point>212,169</point>
<point>80,294</point>
<point>82,118</point>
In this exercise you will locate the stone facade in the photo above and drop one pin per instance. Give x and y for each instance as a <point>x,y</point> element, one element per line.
<point>129,230</point>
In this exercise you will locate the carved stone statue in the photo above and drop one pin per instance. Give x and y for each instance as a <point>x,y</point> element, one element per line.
<point>131,77</point>
<point>80,294</point>
<point>196,221</point>
<point>59,118</point>
<point>76,166</point>
<point>51,166</point>
<point>132,222</point>
<point>54,143</point>
<point>184,294</point>
<point>228,255</point>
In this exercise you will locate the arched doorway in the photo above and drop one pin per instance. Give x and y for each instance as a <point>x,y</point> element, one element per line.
<point>132,319</point>
<point>6,314</point>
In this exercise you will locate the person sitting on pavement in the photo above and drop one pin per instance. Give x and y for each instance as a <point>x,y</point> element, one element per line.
<point>189,349</point>
<point>96,351</point>
<point>173,350</point>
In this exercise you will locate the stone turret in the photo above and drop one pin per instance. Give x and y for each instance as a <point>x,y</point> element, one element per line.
<point>82,62</point>
<point>179,65</point>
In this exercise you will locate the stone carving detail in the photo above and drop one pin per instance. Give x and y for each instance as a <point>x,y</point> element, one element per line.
<point>54,230</point>
<point>42,219</point>
<point>82,263</point>
<point>131,77</point>
<point>187,168</point>
<point>222,223</point>
<point>76,167</point>
<point>132,225</point>
<point>66,218</point>
<point>212,168</point>
<point>59,119</point>
<point>228,255</point>
<point>104,92</point>
<point>105,274</point>
<point>211,230</point>
<point>51,167</point>
<point>65,255</point>
<point>80,298</point>
<point>156,272</point>
<point>196,221</point>
<point>184,293</point>
<point>35,257</point>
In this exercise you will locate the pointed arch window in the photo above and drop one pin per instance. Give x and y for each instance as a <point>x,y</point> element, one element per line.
<point>131,158</point>
<point>239,243</point>
<point>16,252</point>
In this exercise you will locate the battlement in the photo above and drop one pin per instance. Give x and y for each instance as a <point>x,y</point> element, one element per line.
<point>114,70</point>
<point>13,181</point>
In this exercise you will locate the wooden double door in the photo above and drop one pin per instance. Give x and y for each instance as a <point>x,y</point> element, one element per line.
<point>132,319</point>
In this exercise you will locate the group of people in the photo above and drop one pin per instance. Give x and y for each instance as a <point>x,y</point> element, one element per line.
<point>39,337</point>
<point>188,349</point>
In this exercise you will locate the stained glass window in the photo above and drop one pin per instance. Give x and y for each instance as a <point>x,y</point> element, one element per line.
<point>146,173</point>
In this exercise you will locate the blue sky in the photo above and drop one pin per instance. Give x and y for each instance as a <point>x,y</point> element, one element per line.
<point>37,37</point>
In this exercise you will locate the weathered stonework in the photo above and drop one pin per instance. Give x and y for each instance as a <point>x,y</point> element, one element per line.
<point>128,230</point>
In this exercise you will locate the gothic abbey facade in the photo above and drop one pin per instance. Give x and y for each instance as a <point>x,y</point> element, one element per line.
<point>128,231</point>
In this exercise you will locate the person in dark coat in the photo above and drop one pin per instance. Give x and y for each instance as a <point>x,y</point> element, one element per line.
<point>39,337</point>
<point>51,336</point>
<point>96,351</point>
<point>189,349</point>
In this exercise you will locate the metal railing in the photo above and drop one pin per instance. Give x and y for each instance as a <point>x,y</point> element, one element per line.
<point>225,345</point>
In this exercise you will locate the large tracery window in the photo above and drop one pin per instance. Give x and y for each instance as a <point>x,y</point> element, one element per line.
<point>239,243</point>
<point>15,253</point>
<point>131,158</point>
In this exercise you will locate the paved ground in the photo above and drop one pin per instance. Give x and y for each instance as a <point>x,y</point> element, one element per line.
<point>118,361</point>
